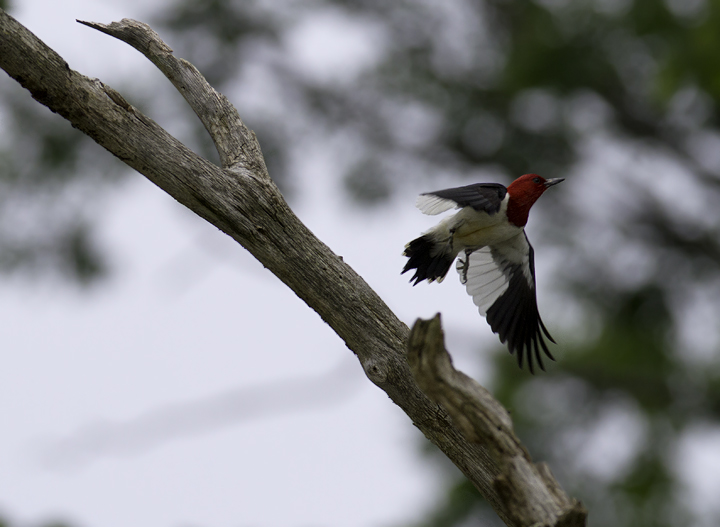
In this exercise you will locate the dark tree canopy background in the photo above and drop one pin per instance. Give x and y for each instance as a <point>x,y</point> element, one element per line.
<point>619,96</point>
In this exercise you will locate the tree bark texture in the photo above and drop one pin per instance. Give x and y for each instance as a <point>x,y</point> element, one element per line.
<point>240,198</point>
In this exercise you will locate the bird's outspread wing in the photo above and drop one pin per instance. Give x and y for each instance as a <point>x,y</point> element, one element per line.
<point>501,280</point>
<point>485,197</point>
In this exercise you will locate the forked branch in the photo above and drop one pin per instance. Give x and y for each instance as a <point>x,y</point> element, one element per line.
<point>240,199</point>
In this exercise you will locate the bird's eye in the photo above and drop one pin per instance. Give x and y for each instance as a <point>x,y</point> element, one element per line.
<point>536,180</point>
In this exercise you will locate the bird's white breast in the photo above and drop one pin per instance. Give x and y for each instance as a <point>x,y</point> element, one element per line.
<point>474,229</point>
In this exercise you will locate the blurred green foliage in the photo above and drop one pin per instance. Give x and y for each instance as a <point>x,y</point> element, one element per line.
<point>49,174</point>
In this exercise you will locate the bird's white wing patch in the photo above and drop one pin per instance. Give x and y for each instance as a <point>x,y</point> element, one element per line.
<point>484,279</point>
<point>501,280</point>
<point>486,272</point>
<point>516,251</point>
<point>432,205</point>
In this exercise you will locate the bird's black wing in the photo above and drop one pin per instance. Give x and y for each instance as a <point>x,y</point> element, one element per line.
<point>485,197</point>
<point>501,280</point>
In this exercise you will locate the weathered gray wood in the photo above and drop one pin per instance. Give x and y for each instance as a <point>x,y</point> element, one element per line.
<point>529,492</point>
<point>241,199</point>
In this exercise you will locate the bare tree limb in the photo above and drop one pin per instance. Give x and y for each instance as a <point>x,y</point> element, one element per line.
<point>236,144</point>
<point>529,492</point>
<point>242,200</point>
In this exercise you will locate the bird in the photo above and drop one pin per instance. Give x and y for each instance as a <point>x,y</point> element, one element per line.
<point>496,262</point>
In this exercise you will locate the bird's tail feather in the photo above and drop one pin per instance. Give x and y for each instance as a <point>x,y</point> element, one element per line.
<point>431,258</point>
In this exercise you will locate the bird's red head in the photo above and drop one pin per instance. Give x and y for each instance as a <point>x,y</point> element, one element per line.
<point>523,193</point>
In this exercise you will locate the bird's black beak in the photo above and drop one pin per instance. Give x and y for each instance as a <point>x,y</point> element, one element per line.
<point>554,181</point>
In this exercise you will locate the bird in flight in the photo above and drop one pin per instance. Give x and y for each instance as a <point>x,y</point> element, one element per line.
<point>496,262</point>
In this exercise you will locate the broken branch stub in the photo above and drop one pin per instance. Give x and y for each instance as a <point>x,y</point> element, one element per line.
<point>529,493</point>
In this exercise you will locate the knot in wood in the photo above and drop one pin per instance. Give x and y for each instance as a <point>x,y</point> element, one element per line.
<point>376,370</point>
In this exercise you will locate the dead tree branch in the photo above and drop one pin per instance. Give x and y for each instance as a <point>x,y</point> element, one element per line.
<point>240,199</point>
<point>529,492</point>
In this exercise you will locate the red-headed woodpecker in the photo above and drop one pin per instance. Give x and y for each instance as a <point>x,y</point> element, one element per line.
<point>496,262</point>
